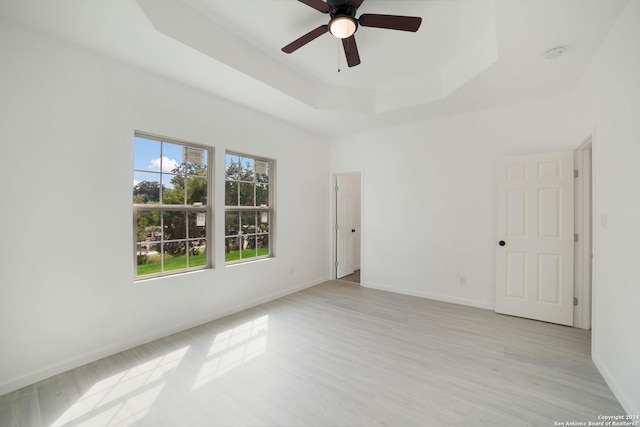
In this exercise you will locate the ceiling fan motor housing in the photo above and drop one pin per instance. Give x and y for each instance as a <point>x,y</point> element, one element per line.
<point>341,7</point>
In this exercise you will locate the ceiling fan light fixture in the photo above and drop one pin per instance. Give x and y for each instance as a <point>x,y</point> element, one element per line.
<point>343,26</point>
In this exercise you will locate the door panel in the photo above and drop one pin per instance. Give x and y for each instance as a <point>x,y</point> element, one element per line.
<point>344,247</point>
<point>534,276</point>
<point>516,280</point>
<point>516,212</point>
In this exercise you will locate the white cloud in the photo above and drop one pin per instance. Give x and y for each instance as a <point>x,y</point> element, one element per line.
<point>136,182</point>
<point>167,164</point>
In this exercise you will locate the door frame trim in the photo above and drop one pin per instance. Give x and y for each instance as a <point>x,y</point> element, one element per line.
<point>583,211</point>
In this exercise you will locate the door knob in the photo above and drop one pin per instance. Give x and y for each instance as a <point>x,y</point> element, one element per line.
<point>502,243</point>
<point>353,231</point>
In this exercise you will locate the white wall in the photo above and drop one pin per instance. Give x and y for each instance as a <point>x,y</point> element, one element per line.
<point>430,195</point>
<point>609,97</point>
<point>67,117</point>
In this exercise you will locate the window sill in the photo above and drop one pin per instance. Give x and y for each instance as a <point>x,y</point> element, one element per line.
<point>252,261</point>
<point>168,276</point>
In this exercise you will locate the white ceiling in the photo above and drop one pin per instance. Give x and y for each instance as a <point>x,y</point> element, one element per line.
<point>467,55</point>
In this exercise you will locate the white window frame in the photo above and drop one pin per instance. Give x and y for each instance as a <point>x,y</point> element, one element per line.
<point>270,209</point>
<point>207,210</point>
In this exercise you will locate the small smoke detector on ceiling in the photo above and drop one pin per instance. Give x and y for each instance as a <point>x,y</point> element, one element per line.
<point>554,53</point>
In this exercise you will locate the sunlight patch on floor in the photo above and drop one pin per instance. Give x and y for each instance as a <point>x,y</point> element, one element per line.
<point>233,348</point>
<point>124,398</point>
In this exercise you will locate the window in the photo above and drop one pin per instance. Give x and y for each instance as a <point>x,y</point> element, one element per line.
<point>248,207</point>
<point>171,209</point>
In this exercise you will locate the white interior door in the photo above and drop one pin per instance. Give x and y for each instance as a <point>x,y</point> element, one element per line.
<point>534,276</point>
<point>344,236</point>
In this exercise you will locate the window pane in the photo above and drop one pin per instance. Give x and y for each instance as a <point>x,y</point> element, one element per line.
<point>175,255</point>
<point>249,247</point>
<point>169,180</point>
<point>194,158</point>
<point>231,223</point>
<point>196,190</point>
<point>173,189</point>
<point>263,222</point>
<point>263,244</point>
<point>197,253</point>
<point>148,248</point>
<point>146,187</point>
<point>148,258</point>
<point>175,249</point>
<point>262,195</point>
<point>175,225</point>
<point>246,194</point>
<point>248,222</point>
<point>146,154</point>
<point>232,248</point>
<point>232,167</point>
<point>171,157</point>
<point>197,224</point>
<point>148,226</point>
<point>262,171</point>
<point>194,169</point>
<point>231,193</point>
<point>246,169</point>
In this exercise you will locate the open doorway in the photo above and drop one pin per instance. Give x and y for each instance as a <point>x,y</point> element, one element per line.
<point>348,224</point>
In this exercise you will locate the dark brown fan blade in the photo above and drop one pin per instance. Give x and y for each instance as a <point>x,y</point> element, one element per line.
<point>317,5</point>
<point>311,35</point>
<point>351,51</point>
<point>354,3</point>
<point>391,22</point>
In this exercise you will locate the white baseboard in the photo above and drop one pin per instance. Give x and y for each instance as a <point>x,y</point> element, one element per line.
<point>58,368</point>
<point>427,295</point>
<point>617,392</point>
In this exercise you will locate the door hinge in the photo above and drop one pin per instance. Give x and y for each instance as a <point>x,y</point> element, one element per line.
<point>576,173</point>
<point>336,264</point>
<point>337,226</point>
<point>575,301</point>
<point>336,188</point>
<point>576,238</point>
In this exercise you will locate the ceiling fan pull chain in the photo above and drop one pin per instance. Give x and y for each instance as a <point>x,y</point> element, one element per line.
<point>338,56</point>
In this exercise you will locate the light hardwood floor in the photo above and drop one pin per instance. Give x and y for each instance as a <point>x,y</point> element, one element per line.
<point>334,355</point>
<point>353,277</point>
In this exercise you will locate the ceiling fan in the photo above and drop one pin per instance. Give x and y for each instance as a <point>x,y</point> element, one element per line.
<point>343,25</point>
